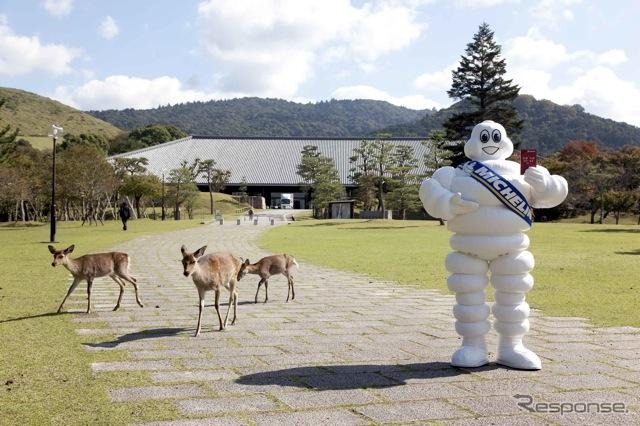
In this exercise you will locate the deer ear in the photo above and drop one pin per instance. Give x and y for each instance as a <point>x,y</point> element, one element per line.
<point>69,249</point>
<point>200,251</point>
<point>183,249</point>
<point>247,262</point>
<point>52,249</point>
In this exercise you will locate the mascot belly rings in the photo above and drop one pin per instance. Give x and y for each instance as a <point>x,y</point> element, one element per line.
<point>487,204</point>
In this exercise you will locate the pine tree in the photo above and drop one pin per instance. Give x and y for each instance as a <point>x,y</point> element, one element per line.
<point>478,82</point>
<point>404,181</point>
<point>321,178</point>
<point>7,140</point>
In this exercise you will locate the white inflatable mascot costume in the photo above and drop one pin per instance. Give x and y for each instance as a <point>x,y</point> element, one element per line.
<point>487,204</point>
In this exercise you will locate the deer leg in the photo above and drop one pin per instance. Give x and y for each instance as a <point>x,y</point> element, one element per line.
<point>133,282</point>
<point>258,290</point>
<point>290,290</point>
<point>121,284</point>
<point>89,285</point>
<point>235,306</point>
<point>217,304</point>
<point>266,290</point>
<point>232,289</point>
<point>200,307</point>
<point>74,284</point>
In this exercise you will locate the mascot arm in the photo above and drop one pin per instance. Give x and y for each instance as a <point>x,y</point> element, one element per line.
<point>435,194</point>
<point>547,190</point>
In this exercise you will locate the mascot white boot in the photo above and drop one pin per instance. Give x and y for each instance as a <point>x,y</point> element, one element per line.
<point>487,205</point>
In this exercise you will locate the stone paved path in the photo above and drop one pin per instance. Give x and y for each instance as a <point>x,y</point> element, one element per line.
<point>348,350</point>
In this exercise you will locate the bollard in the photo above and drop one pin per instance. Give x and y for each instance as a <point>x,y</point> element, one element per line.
<point>221,221</point>
<point>238,221</point>
<point>255,221</point>
<point>273,221</point>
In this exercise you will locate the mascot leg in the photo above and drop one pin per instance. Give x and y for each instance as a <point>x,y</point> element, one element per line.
<point>511,279</point>
<point>468,281</point>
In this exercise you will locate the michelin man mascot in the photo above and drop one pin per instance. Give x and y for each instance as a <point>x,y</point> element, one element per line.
<point>487,204</point>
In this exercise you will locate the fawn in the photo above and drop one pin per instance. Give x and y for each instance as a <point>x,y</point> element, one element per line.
<point>211,272</point>
<point>268,266</point>
<point>90,266</point>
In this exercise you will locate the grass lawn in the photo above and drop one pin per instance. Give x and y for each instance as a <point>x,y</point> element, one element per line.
<point>582,270</point>
<point>45,374</point>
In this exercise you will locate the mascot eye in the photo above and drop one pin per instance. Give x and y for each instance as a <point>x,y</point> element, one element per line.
<point>484,136</point>
<point>496,135</point>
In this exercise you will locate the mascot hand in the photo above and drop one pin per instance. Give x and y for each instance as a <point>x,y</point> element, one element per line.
<point>460,206</point>
<point>538,178</point>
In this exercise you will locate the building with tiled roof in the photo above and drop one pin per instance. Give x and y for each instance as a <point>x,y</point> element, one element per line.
<point>269,165</point>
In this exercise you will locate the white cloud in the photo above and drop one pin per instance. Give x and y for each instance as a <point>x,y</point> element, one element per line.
<point>537,64</point>
<point>120,91</point>
<point>369,92</point>
<point>478,4</point>
<point>24,54</point>
<point>58,7</point>
<point>271,47</point>
<point>435,82</point>
<point>613,57</point>
<point>550,13</point>
<point>108,28</point>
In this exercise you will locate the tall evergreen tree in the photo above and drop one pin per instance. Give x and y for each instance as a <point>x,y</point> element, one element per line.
<point>321,178</point>
<point>479,83</point>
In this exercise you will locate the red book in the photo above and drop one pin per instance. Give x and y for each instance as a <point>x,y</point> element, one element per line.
<point>528,158</point>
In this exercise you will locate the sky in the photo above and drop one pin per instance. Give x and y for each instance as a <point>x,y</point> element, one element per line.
<point>94,54</point>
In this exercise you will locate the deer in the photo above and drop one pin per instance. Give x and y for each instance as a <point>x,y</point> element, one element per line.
<point>91,266</point>
<point>268,266</point>
<point>212,272</point>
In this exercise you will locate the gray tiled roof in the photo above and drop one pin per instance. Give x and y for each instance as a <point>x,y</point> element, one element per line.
<point>262,161</point>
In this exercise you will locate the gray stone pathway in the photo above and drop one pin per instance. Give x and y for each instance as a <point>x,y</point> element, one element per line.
<point>349,350</point>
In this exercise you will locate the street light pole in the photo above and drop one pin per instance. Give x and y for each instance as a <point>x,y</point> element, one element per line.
<point>55,130</point>
<point>163,213</point>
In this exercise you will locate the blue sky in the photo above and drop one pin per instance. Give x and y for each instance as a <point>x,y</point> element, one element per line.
<point>95,54</point>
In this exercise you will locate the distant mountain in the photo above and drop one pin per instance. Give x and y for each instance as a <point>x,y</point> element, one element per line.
<point>34,114</point>
<point>547,125</point>
<point>268,117</point>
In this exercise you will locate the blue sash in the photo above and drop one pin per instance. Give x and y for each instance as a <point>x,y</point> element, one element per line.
<point>503,190</point>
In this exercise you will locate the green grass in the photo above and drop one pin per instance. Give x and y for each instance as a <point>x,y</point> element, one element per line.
<point>581,270</point>
<point>34,114</point>
<point>45,374</point>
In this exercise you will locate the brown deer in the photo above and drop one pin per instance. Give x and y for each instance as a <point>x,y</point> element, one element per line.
<point>268,266</point>
<point>90,266</point>
<point>212,272</point>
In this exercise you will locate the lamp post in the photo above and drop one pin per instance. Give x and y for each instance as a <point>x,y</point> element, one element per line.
<point>163,212</point>
<point>55,132</point>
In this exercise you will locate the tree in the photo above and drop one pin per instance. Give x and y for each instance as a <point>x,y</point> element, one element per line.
<point>7,139</point>
<point>138,186</point>
<point>438,155</point>
<point>373,163</point>
<point>152,134</point>
<point>216,179</point>
<point>404,181</point>
<point>479,83</point>
<point>183,187</point>
<point>362,174</point>
<point>320,176</point>
<point>242,189</point>
<point>131,166</point>
<point>85,139</point>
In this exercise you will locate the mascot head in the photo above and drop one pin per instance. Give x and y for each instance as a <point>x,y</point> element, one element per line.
<point>488,141</point>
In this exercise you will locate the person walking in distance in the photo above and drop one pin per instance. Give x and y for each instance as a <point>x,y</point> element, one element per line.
<point>125,214</point>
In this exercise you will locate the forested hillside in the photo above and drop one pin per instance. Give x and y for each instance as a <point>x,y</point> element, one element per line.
<point>268,117</point>
<point>547,126</point>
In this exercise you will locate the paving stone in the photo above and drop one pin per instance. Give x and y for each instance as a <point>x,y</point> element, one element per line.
<point>155,392</point>
<point>513,420</point>
<point>506,387</point>
<point>411,411</point>
<point>132,365</point>
<point>193,376</point>
<point>593,381</point>
<point>326,398</point>
<point>421,392</point>
<point>490,405</point>
<point>309,418</point>
<point>348,381</point>
<point>226,405</point>
<point>215,421</point>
